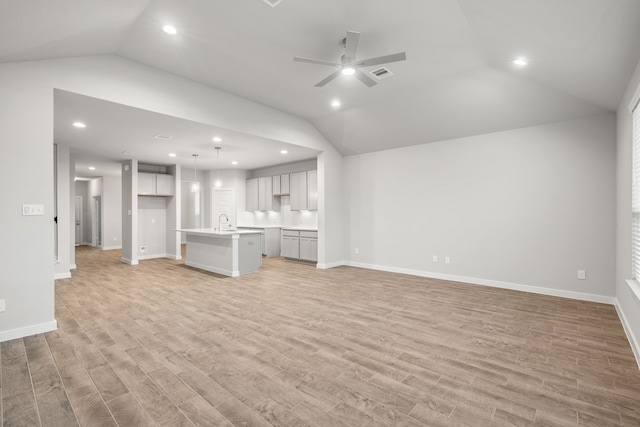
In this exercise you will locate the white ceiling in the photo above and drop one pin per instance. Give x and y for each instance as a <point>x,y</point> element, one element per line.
<point>117,132</point>
<point>458,79</point>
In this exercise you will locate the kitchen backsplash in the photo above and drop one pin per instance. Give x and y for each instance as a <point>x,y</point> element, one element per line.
<point>284,218</point>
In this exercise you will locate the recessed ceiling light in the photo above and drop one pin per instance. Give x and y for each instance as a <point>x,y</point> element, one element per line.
<point>169,29</point>
<point>91,168</point>
<point>348,71</point>
<point>335,103</point>
<point>172,154</point>
<point>283,151</point>
<point>520,62</point>
<point>79,125</point>
<point>234,163</point>
<point>217,139</point>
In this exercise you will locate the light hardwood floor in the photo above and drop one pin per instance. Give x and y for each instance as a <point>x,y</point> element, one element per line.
<point>164,344</point>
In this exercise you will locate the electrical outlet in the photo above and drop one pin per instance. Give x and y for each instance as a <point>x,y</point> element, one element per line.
<point>582,275</point>
<point>447,260</point>
<point>143,249</point>
<point>357,251</point>
<point>435,258</point>
<point>3,307</point>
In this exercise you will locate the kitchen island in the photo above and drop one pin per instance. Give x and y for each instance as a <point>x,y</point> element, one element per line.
<point>230,252</point>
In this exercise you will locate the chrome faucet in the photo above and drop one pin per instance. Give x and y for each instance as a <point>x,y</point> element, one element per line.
<point>220,221</point>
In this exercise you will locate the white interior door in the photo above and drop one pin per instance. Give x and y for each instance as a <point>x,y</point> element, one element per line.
<point>224,208</point>
<point>78,210</point>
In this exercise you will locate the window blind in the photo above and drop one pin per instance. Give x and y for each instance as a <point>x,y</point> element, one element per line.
<point>635,196</point>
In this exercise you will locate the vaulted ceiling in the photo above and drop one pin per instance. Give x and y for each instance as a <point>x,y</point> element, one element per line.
<point>458,79</point>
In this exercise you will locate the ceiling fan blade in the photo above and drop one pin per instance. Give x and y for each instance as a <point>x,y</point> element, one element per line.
<point>316,61</point>
<point>350,46</point>
<point>328,79</point>
<point>365,79</point>
<point>382,60</point>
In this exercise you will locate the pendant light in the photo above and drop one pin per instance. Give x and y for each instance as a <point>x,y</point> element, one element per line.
<point>217,182</point>
<point>195,185</point>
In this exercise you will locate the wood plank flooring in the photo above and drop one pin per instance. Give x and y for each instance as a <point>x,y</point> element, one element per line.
<point>162,344</point>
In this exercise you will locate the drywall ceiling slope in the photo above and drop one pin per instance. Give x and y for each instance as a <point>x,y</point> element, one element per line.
<point>458,79</point>
<point>45,29</point>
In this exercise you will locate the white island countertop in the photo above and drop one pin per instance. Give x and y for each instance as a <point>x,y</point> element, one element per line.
<point>300,228</point>
<point>215,232</point>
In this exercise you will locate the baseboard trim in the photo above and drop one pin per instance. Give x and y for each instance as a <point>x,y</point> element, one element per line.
<point>152,256</point>
<point>633,342</point>
<point>176,257</point>
<point>58,276</point>
<point>110,248</point>
<point>129,261</point>
<point>492,283</point>
<point>73,267</point>
<point>40,328</point>
<point>330,265</point>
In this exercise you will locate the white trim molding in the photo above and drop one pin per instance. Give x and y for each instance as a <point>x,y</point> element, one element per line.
<point>152,256</point>
<point>40,328</point>
<point>493,283</point>
<point>66,275</point>
<point>110,248</point>
<point>129,261</point>
<point>331,265</point>
<point>633,342</point>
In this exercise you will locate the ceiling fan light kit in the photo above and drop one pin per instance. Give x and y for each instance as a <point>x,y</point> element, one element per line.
<point>350,65</point>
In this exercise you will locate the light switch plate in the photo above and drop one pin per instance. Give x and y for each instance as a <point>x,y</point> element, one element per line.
<point>3,307</point>
<point>31,210</point>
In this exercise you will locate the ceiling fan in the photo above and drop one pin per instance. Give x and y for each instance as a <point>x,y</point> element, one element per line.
<point>349,65</point>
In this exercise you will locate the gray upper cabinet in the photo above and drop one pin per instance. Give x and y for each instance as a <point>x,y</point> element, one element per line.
<point>312,193</point>
<point>153,184</point>
<point>252,195</point>
<point>304,191</point>
<point>281,185</point>
<point>284,185</point>
<point>164,185</point>
<point>298,194</point>
<point>265,194</point>
<point>259,192</point>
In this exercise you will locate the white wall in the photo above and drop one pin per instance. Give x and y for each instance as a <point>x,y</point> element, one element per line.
<point>174,213</point>
<point>26,253</point>
<point>129,213</point>
<point>628,304</point>
<point>64,197</point>
<point>152,227</point>
<point>524,209</point>
<point>112,209</point>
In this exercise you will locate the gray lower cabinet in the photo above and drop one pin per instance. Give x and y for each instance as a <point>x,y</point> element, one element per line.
<point>270,240</point>
<point>309,246</point>
<point>290,246</point>
<point>300,245</point>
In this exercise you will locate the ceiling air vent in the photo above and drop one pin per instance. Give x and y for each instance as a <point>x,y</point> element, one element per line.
<point>162,137</point>
<point>272,3</point>
<point>381,73</point>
